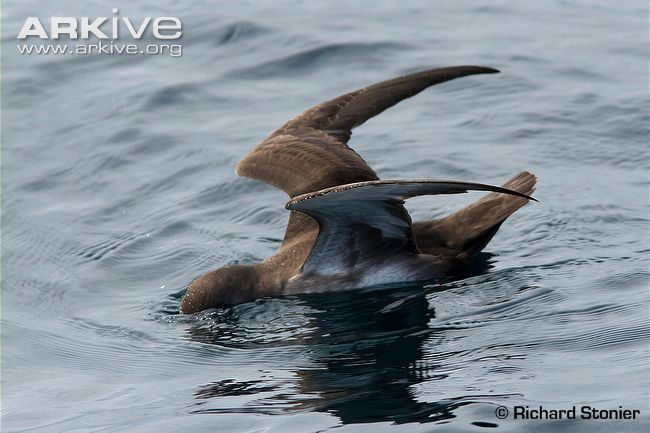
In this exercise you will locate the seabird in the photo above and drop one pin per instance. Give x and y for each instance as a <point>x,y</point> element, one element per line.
<point>347,228</point>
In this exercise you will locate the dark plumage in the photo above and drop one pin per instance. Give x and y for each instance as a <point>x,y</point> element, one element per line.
<point>347,228</point>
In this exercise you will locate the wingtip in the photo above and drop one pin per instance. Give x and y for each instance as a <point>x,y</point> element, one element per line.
<point>463,70</point>
<point>522,195</point>
<point>489,70</point>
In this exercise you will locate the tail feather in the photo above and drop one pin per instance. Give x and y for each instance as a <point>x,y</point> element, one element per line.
<point>465,233</point>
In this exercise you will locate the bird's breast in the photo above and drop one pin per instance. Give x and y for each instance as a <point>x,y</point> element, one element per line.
<point>399,269</point>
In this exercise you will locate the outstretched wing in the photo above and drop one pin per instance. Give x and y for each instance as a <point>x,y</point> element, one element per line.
<point>361,220</point>
<point>310,152</point>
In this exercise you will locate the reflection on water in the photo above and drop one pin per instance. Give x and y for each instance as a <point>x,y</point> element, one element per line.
<point>365,356</point>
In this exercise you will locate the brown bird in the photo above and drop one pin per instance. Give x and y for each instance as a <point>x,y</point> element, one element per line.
<point>347,228</point>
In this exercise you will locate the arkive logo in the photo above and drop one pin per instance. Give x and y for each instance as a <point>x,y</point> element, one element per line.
<point>114,35</point>
<point>114,27</point>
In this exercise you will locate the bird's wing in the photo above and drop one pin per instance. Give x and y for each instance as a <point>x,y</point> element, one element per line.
<point>310,152</point>
<point>362,221</point>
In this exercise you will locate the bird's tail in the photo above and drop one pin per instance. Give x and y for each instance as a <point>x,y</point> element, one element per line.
<point>463,234</point>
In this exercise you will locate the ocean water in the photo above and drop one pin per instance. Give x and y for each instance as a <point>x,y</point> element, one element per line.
<point>118,188</point>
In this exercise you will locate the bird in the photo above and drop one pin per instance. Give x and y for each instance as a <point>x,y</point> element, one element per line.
<point>347,228</point>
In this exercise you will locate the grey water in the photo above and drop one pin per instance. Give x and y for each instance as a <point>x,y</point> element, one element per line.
<point>118,188</point>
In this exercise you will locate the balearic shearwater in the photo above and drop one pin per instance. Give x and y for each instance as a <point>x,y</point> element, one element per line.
<point>347,228</point>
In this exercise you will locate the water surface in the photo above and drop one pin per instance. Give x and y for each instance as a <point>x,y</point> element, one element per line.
<point>119,188</point>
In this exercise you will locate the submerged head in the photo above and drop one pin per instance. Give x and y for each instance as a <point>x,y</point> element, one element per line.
<point>224,287</point>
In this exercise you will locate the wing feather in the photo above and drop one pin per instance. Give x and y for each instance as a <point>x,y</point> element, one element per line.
<point>359,221</point>
<point>310,152</point>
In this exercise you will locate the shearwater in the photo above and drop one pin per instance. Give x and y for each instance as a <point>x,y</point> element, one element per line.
<point>347,228</point>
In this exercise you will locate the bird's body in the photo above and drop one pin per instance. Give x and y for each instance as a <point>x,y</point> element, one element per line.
<point>347,228</point>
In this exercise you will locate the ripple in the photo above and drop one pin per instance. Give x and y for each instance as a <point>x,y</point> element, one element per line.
<point>104,247</point>
<point>317,58</point>
<point>173,95</point>
<point>240,31</point>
